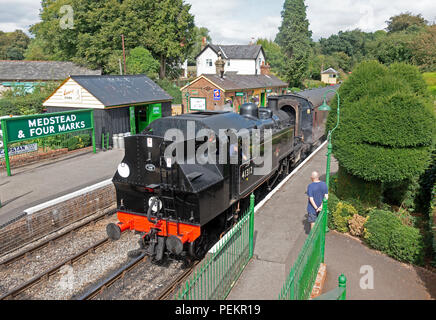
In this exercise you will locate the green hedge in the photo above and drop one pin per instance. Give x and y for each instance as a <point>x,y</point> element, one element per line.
<point>385,232</point>
<point>387,122</point>
<point>349,187</point>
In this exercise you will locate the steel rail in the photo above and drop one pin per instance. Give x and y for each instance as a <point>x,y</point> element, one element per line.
<point>112,278</point>
<point>172,287</point>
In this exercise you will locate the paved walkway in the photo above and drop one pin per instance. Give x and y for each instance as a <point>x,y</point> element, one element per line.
<point>37,183</point>
<point>393,280</point>
<point>280,231</point>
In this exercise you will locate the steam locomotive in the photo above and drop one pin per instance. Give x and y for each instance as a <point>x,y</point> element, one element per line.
<point>180,205</point>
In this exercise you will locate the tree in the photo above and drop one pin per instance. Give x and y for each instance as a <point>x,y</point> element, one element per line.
<point>37,50</point>
<point>13,45</point>
<point>404,21</point>
<point>140,61</point>
<point>386,124</point>
<point>172,29</point>
<point>199,34</point>
<point>424,49</point>
<point>162,27</point>
<point>350,42</point>
<point>294,38</point>
<point>395,47</point>
<point>274,56</point>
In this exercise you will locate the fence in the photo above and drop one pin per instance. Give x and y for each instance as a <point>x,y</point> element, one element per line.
<point>299,284</point>
<point>25,152</point>
<point>215,276</point>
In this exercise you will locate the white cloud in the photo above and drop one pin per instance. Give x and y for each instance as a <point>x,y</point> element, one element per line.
<point>237,21</point>
<point>18,14</point>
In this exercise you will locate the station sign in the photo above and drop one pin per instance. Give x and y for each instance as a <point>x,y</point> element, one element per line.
<point>20,150</point>
<point>239,94</point>
<point>43,125</point>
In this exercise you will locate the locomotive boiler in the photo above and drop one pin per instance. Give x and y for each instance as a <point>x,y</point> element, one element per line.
<point>181,205</point>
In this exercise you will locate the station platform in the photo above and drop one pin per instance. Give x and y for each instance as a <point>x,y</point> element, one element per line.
<point>43,181</point>
<point>280,229</point>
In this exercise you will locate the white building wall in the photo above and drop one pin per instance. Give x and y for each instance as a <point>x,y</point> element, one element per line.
<point>260,58</point>
<point>72,95</point>
<point>202,67</point>
<point>242,66</point>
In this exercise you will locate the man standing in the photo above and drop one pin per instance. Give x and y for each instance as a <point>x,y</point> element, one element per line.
<point>316,191</point>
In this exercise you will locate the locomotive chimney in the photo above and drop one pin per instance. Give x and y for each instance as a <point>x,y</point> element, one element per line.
<point>219,64</point>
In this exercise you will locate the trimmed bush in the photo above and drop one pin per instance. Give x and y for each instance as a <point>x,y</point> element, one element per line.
<point>385,232</point>
<point>406,244</point>
<point>349,187</point>
<point>78,142</point>
<point>387,123</point>
<point>331,206</point>
<point>343,213</point>
<point>379,228</point>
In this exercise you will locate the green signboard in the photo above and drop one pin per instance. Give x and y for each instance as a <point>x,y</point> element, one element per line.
<point>43,125</point>
<point>23,128</point>
<point>239,94</point>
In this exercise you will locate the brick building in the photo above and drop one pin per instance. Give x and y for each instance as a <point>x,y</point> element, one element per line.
<point>215,92</point>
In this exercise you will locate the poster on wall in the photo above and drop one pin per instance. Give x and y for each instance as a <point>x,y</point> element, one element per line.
<point>198,104</point>
<point>72,94</point>
<point>216,94</point>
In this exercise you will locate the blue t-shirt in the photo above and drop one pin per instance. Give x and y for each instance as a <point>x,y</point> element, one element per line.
<point>316,190</point>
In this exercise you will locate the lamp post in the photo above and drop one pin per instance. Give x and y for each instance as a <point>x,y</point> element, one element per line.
<point>326,107</point>
<point>187,100</point>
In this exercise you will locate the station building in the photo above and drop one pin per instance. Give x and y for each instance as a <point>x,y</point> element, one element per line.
<point>125,103</point>
<point>222,91</point>
<point>329,76</point>
<point>29,74</point>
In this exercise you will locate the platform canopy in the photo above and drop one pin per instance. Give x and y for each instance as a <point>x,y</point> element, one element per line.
<point>109,91</point>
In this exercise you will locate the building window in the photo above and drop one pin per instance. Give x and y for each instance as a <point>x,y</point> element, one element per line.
<point>209,62</point>
<point>228,63</point>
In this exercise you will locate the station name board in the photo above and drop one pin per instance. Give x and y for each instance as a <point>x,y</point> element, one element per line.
<point>42,125</point>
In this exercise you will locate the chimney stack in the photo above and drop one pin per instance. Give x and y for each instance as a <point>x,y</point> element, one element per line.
<point>219,64</point>
<point>265,69</point>
<point>203,43</point>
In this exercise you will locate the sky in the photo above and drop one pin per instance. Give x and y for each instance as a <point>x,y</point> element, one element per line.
<point>238,21</point>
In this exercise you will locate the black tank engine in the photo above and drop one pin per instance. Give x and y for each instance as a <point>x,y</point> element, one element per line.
<point>180,204</point>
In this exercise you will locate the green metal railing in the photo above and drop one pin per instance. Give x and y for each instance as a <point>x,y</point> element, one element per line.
<point>216,275</point>
<point>299,283</point>
<point>338,293</point>
<point>70,141</point>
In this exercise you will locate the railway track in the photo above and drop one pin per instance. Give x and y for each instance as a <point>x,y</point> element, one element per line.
<point>52,241</point>
<point>112,278</point>
<point>172,287</point>
<point>46,274</point>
